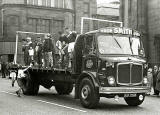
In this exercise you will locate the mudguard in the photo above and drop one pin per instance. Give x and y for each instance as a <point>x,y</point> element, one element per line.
<point>90,75</point>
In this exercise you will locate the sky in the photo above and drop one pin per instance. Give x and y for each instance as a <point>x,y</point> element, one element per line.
<point>105,1</point>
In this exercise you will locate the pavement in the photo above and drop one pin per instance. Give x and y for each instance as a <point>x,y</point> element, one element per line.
<point>48,102</point>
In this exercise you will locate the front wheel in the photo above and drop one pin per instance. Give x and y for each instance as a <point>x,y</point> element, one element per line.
<point>135,101</point>
<point>88,94</point>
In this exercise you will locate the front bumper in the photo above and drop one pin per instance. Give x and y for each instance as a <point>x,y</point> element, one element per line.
<point>123,90</point>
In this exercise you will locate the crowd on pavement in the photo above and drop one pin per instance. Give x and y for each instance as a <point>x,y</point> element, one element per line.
<point>154,79</point>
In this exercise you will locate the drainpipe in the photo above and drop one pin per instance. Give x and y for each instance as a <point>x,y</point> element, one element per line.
<point>2,14</point>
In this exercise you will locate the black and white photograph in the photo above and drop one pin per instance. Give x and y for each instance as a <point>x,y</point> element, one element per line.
<point>79,57</point>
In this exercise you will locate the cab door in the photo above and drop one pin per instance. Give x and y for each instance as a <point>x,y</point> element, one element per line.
<point>89,60</point>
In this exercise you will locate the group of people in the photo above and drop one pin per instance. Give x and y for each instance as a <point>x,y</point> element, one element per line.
<point>33,52</point>
<point>154,79</point>
<point>41,53</point>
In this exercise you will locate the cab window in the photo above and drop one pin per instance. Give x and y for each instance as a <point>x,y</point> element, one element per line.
<point>90,45</point>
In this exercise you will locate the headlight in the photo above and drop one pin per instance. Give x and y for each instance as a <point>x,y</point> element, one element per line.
<point>111,80</point>
<point>110,64</point>
<point>145,80</point>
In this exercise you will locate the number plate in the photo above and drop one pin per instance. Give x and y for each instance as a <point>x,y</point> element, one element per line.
<point>130,95</point>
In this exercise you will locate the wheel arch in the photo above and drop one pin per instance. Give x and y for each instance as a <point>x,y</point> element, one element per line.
<point>86,74</point>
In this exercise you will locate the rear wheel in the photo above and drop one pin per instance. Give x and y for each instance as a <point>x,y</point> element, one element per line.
<point>135,101</point>
<point>64,89</point>
<point>88,94</point>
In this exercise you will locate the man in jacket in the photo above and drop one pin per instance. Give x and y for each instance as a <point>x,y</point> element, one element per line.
<point>155,73</point>
<point>48,47</point>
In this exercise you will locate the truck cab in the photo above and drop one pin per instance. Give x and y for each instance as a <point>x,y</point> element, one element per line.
<point>110,63</point>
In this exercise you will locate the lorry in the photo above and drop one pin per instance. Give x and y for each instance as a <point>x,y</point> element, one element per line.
<point>108,62</point>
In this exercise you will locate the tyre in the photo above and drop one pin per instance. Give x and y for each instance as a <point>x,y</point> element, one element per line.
<point>64,89</point>
<point>135,101</point>
<point>88,94</point>
<point>28,86</point>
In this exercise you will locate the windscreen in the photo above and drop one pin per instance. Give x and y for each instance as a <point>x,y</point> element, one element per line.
<point>108,44</point>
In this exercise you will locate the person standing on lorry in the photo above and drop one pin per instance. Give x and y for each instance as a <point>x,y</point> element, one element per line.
<point>38,52</point>
<point>59,47</point>
<point>25,48</point>
<point>155,73</point>
<point>71,39</point>
<point>64,51</point>
<point>48,50</point>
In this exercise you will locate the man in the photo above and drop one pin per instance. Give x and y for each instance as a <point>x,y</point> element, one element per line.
<point>38,51</point>
<point>3,69</point>
<point>155,73</point>
<point>48,47</point>
<point>25,48</point>
<point>64,42</point>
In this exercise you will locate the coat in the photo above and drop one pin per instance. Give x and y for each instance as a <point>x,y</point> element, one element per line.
<point>158,82</point>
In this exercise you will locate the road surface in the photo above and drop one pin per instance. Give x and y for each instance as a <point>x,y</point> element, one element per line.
<point>48,102</point>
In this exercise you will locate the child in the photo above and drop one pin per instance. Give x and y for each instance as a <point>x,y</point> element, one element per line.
<point>59,46</point>
<point>31,55</point>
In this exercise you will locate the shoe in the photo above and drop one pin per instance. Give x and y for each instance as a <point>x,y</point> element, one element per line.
<point>18,93</point>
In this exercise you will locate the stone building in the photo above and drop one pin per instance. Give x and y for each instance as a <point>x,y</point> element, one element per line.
<point>143,15</point>
<point>154,31</point>
<point>108,10</point>
<point>45,16</point>
<point>134,14</point>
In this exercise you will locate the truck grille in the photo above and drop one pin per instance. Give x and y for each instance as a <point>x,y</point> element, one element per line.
<point>129,73</point>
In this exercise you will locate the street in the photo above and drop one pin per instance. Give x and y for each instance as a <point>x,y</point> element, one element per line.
<point>48,102</point>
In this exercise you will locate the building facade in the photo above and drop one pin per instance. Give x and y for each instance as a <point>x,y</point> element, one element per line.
<point>108,10</point>
<point>41,16</point>
<point>154,31</point>
<point>144,16</point>
<point>134,14</point>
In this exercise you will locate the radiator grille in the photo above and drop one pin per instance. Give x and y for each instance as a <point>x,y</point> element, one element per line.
<point>129,73</point>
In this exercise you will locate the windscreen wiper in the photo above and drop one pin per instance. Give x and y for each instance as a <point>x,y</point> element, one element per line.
<point>117,42</point>
<point>130,45</point>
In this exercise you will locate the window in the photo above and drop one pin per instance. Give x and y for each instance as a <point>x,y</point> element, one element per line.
<point>60,3</point>
<point>11,25</point>
<point>53,4</point>
<point>10,57</point>
<point>86,8</point>
<point>89,45</point>
<point>30,2</point>
<point>40,2</point>
<point>35,2</point>
<point>68,4</point>
<point>39,25</point>
<point>49,3</point>
<point>43,2</point>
